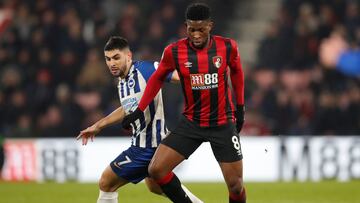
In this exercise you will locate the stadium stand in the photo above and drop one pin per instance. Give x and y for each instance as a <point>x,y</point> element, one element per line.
<point>53,81</point>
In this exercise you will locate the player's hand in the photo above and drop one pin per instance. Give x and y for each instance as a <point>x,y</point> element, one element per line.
<point>131,118</point>
<point>239,114</point>
<point>89,132</point>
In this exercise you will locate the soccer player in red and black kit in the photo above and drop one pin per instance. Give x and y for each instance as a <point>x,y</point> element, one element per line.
<point>210,114</point>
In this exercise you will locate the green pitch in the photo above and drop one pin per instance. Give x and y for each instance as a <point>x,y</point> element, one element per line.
<point>323,192</point>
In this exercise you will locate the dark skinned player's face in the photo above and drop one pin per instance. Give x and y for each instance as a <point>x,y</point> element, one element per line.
<point>198,32</point>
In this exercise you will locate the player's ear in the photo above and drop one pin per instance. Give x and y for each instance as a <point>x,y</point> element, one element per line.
<point>129,54</point>
<point>211,25</point>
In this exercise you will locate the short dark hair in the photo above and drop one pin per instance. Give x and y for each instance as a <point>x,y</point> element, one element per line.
<point>116,42</point>
<point>197,11</point>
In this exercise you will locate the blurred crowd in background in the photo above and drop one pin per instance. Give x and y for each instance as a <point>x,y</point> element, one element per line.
<point>54,80</point>
<point>288,91</point>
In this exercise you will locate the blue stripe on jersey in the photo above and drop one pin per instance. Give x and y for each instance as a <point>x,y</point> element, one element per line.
<point>146,68</point>
<point>136,78</point>
<point>149,134</point>
<point>149,131</point>
<point>122,90</point>
<point>137,141</point>
<point>142,121</point>
<point>158,131</point>
<point>127,89</point>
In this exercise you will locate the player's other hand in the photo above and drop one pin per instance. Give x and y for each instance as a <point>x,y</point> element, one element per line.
<point>89,132</point>
<point>131,118</point>
<point>239,114</point>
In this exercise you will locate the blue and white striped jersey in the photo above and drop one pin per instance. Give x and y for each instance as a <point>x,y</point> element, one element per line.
<point>151,128</point>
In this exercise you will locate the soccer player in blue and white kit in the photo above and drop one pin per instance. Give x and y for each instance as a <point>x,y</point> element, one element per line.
<point>132,164</point>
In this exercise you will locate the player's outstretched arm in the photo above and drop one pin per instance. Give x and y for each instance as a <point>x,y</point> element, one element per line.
<point>89,133</point>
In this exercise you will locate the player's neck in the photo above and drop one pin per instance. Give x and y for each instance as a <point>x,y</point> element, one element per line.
<point>206,45</point>
<point>128,67</point>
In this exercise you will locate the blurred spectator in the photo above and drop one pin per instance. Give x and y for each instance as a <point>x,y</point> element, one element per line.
<point>255,124</point>
<point>93,74</point>
<point>71,112</point>
<point>51,123</point>
<point>40,91</point>
<point>22,127</point>
<point>309,99</point>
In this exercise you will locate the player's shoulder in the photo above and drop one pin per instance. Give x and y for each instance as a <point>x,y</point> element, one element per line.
<point>146,68</point>
<point>222,38</point>
<point>144,64</point>
<point>177,43</point>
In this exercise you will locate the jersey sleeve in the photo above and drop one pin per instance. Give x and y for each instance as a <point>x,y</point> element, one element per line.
<point>166,66</point>
<point>236,73</point>
<point>147,68</point>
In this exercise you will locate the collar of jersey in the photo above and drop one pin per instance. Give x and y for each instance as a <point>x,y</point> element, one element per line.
<point>131,71</point>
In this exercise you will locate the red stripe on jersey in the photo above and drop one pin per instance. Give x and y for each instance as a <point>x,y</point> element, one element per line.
<point>231,103</point>
<point>237,75</point>
<point>185,75</point>
<point>204,94</point>
<point>221,51</point>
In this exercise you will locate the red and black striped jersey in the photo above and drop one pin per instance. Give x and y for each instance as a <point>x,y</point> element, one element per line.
<point>204,79</point>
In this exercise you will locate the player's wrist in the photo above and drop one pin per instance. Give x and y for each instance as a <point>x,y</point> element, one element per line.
<point>98,126</point>
<point>131,118</point>
<point>239,114</point>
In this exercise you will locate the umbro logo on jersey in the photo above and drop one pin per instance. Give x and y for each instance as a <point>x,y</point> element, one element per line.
<point>188,64</point>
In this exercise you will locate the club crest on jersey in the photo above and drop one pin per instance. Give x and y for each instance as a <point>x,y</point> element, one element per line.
<point>217,61</point>
<point>131,83</point>
<point>188,64</point>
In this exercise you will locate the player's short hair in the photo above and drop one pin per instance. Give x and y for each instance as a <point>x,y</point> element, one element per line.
<point>197,11</point>
<point>116,42</point>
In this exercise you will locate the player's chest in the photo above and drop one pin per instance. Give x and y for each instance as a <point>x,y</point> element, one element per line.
<point>130,91</point>
<point>202,70</point>
<point>129,97</point>
<point>204,62</point>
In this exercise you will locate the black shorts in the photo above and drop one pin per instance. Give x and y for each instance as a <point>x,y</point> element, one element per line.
<point>188,136</point>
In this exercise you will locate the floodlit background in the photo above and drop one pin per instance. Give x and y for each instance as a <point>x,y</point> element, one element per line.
<point>302,110</point>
